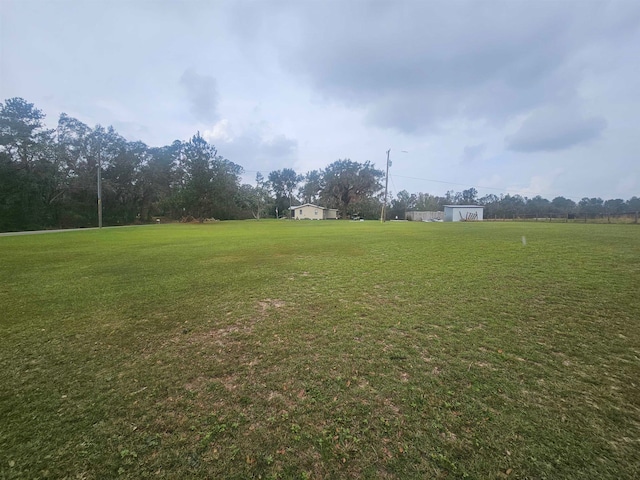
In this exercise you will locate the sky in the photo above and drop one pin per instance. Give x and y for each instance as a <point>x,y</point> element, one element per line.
<point>518,97</point>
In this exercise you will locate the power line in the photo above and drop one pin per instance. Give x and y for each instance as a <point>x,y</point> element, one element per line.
<point>393,184</point>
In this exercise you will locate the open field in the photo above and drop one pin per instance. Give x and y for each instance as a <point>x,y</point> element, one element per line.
<point>321,350</point>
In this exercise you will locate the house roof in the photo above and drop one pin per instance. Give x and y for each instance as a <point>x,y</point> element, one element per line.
<point>293,207</point>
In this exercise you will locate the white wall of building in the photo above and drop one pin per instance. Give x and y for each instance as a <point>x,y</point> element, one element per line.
<point>309,211</point>
<point>461,213</point>
<point>312,212</point>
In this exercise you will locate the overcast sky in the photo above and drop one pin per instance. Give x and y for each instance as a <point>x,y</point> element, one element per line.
<point>527,97</point>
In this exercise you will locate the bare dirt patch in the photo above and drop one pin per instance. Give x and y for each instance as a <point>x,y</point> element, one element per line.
<point>269,304</point>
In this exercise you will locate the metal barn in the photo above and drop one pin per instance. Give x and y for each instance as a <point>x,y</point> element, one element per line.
<point>463,213</point>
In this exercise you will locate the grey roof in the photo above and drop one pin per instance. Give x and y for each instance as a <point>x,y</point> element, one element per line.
<point>293,207</point>
<point>465,206</point>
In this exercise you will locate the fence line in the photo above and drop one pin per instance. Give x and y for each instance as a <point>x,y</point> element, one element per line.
<point>626,217</point>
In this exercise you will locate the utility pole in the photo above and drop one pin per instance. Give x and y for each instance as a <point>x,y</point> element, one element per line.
<point>386,187</point>
<point>99,189</point>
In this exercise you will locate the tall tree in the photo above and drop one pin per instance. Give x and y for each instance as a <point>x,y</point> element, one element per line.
<point>122,182</point>
<point>261,195</point>
<point>403,202</point>
<point>29,174</point>
<point>254,199</point>
<point>452,197</point>
<point>106,159</point>
<point>538,206</point>
<point>157,178</point>
<point>633,204</point>
<point>210,182</point>
<point>225,183</point>
<point>614,205</point>
<point>512,205</point>
<point>312,186</point>
<point>368,207</point>
<point>347,182</point>
<point>283,183</point>
<point>21,129</point>
<point>469,196</point>
<point>426,202</point>
<point>591,206</point>
<point>77,147</point>
<point>491,203</point>
<point>563,205</point>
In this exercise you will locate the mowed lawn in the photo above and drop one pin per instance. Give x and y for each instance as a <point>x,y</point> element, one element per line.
<point>279,349</point>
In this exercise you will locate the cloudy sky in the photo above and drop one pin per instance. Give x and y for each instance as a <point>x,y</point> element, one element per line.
<point>528,97</point>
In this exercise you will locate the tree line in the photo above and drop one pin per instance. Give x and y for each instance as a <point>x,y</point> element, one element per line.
<point>48,179</point>
<point>509,206</point>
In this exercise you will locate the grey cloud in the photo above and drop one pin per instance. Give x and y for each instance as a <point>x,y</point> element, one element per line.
<point>256,153</point>
<point>410,65</point>
<point>131,130</point>
<point>279,147</point>
<point>473,152</point>
<point>552,129</point>
<point>422,63</point>
<point>202,94</point>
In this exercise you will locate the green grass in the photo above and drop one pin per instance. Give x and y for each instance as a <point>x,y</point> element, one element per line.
<point>321,350</point>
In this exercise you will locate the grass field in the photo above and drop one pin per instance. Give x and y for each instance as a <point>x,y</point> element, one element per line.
<point>321,350</point>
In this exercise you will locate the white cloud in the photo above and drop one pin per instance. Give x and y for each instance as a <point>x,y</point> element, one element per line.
<point>220,132</point>
<point>253,146</point>
<point>542,185</point>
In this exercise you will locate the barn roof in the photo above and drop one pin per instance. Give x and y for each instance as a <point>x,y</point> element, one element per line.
<point>465,206</point>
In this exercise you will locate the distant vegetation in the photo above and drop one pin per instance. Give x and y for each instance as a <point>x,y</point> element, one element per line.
<point>508,206</point>
<point>48,179</point>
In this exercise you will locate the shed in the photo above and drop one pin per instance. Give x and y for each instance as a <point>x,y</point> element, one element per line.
<point>309,211</point>
<point>426,216</point>
<point>463,213</point>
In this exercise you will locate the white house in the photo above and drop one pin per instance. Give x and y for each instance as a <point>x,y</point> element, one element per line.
<point>463,213</point>
<point>309,211</point>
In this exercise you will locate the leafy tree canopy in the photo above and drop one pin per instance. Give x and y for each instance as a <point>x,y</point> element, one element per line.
<point>347,182</point>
